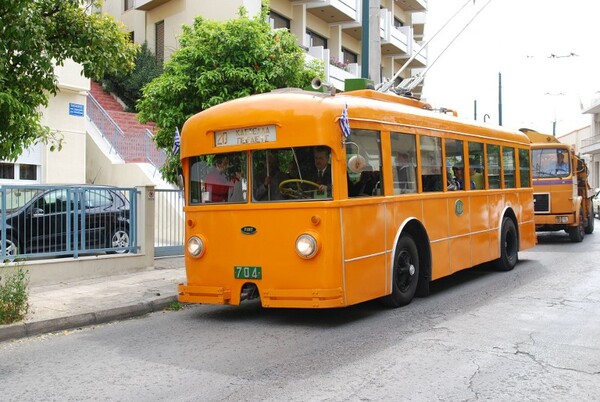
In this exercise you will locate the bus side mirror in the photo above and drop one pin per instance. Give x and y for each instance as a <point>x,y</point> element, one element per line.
<point>356,163</point>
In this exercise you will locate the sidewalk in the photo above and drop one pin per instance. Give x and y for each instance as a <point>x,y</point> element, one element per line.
<point>100,300</point>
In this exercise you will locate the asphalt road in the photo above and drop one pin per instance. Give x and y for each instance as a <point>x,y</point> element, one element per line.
<point>532,334</point>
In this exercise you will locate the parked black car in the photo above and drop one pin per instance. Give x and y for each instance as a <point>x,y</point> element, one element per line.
<point>65,220</point>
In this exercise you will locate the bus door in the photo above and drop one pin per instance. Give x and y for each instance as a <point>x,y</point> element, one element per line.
<point>459,214</point>
<point>366,263</point>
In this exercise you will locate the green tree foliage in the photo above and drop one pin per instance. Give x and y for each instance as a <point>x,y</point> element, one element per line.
<point>217,62</point>
<point>128,87</point>
<point>35,36</point>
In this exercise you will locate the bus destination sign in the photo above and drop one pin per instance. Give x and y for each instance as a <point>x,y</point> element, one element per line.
<point>241,136</point>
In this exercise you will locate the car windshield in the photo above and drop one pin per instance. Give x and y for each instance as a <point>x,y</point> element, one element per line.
<point>17,198</point>
<point>550,162</point>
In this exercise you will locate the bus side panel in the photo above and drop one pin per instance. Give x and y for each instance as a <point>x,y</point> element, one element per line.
<point>364,252</point>
<point>481,247</point>
<point>527,236</point>
<point>459,218</point>
<point>435,213</point>
<point>496,207</point>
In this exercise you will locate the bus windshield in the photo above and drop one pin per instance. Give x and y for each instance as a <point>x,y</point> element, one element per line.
<point>285,174</point>
<point>550,162</point>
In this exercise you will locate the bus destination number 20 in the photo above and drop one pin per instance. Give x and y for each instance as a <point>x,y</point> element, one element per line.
<point>244,136</point>
<point>247,272</point>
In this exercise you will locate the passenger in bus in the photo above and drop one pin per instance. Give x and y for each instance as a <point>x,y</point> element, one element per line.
<point>457,183</point>
<point>218,184</point>
<point>269,180</point>
<point>477,175</point>
<point>366,184</point>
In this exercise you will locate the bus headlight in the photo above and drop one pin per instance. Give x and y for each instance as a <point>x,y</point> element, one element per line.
<point>195,246</point>
<point>306,246</point>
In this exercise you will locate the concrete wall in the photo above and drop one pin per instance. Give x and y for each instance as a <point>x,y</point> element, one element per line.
<point>54,271</point>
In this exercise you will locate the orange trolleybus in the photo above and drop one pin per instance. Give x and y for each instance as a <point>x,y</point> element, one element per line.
<point>312,200</point>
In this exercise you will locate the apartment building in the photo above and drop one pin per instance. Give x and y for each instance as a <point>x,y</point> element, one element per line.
<point>329,30</point>
<point>590,144</point>
<point>65,116</point>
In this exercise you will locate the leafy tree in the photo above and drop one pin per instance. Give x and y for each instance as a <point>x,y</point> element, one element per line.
<point>217,62</point>
<point>36,36</point>
<point>128,87</point>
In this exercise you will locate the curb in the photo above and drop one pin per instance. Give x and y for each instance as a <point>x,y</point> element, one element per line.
<point>23,330</point>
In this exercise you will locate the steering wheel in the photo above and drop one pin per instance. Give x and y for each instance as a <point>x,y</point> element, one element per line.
<point>287,188</point>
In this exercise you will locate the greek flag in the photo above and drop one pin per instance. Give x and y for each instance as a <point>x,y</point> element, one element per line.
<point>177,141</point>
<point>344,123</point>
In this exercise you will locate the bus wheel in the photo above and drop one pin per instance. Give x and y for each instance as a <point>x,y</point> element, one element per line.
<point>406,273</point>
<point>508,246</point>
<point>576,233</point>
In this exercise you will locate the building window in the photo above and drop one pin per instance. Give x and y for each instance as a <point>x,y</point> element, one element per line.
<point>398,23</point>
<point>349,57</point>
<point>27,172</point>
<point>159,44</point>
<point>7,171</point>
<point>128,4</point>
<point>316,39</point>
<point>278,21</point>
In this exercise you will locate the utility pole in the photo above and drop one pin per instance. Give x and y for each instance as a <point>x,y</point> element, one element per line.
<point>375,42</point>
<point>364,57</point>
<point>475,109</point>
<point>499,99</point>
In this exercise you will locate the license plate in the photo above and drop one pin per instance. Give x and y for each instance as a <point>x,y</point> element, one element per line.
<point>247,272</point>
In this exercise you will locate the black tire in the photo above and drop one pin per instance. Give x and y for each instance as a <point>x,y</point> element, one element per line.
<point>119,237</point>
<point>509,246</point>
<point>589,227</point>
<point>405,273</point>
<point>577,233</point>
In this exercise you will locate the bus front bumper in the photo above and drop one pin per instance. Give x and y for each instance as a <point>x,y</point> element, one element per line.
<point>287,298</point>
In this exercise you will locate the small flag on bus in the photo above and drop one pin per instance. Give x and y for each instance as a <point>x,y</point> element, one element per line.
<point>177,141</point>
<point>344,123</point>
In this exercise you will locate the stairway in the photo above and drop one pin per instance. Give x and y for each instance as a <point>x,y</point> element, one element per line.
<point>135,146</point>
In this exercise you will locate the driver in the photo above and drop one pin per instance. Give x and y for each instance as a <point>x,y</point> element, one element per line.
<point>322,172</point>
<point>560,163</point>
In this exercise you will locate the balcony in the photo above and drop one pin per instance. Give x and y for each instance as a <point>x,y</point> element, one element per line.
<point>412,5</point>
<point>332,11</point>
<point>418,25</point>
<point>590,145</point>
<point>398,42</point>
<point>147,5</point>
<point>334,75</point>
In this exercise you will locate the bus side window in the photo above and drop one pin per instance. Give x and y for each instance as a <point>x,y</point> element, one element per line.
<point>431,163</point>
<point>369,182</point>
<point>493,163</point>
<point>477,165</point>
<point>404,163</point>
<point>508,166</point>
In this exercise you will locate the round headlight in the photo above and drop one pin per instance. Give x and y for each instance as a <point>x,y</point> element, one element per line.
<point>195,246</point>
<point>306,246</point>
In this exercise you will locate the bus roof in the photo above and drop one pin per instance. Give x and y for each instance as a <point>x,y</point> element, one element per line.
<point>320,112</point>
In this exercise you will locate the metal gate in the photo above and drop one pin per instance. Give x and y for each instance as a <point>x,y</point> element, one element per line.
<point>168,223</point>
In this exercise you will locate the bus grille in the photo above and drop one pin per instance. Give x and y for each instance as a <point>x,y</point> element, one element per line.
<point>541,202</point>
